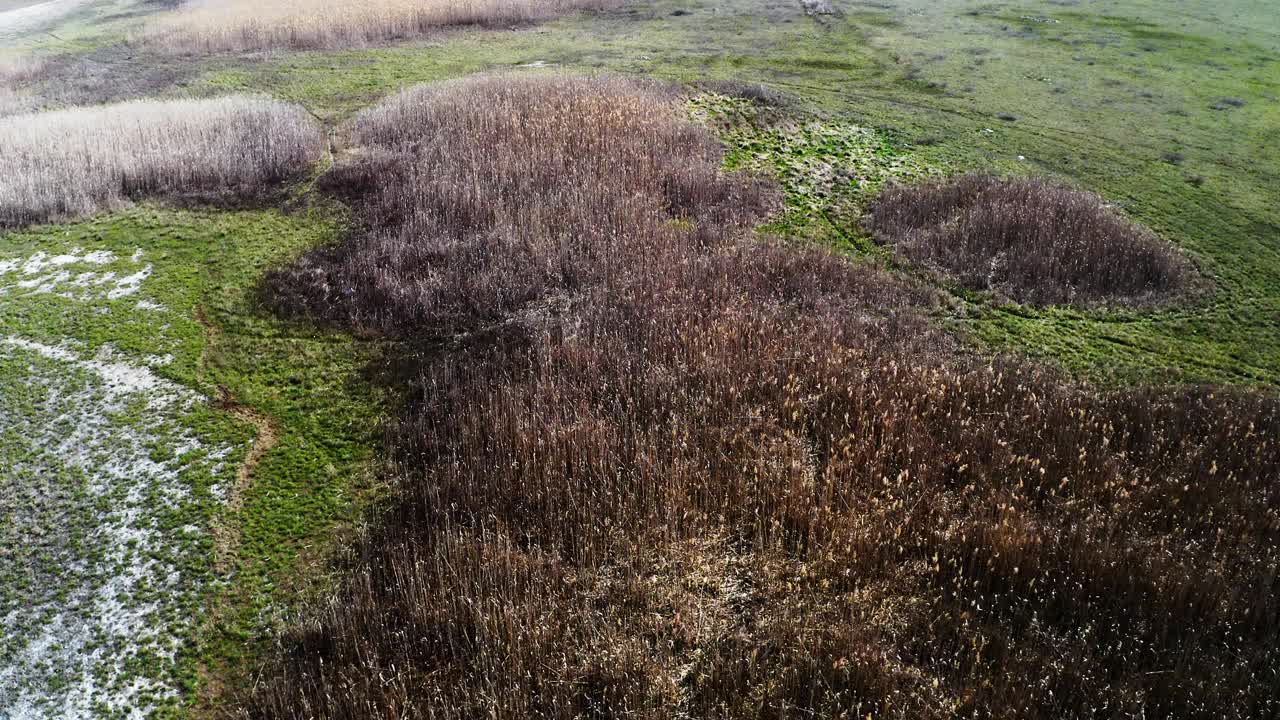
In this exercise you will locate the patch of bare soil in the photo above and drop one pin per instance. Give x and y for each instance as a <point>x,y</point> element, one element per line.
<point>819,8</point>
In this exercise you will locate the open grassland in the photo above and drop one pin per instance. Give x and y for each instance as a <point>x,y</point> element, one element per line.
<point>76,162</point>
<point>651,466</point>
<point>238,25</point>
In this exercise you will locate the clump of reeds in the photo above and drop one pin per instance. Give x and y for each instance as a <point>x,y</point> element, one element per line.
<point>79,161</point>
<point>525,189</point>
<point>1029,240</point>
<point>650,467</point>
<point>14,73</point>
<point>240,25</point>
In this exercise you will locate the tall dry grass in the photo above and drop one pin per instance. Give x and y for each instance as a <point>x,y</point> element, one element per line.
<point>480,201</point>
<point>240,25</point>
<point>650,467</point>
<point>75,162</point>
<point>1030,240</point>
<point>14,72</point>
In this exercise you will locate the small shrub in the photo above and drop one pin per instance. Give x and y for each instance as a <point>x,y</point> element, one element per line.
<point>1228,104</point>
<point>1032,241</point>
<point>758,93</point>
<point>79,161</point>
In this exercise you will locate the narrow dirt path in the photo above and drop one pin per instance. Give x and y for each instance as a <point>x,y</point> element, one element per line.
<point>226,529</point>
<point>327,162</point>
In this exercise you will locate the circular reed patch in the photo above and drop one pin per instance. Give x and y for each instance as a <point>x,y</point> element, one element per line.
<point>1029,240</point>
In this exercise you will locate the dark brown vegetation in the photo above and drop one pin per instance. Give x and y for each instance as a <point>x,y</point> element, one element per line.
<point>479,206</point>
<point>651,467</point>
<point>107,74</point>
<point>1029,240</point>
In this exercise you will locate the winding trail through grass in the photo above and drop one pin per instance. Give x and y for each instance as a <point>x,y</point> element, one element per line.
<point>226,531</point>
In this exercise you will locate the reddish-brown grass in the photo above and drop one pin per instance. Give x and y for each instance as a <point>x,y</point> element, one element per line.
<point>649,467</point>
<point>1030,240</point>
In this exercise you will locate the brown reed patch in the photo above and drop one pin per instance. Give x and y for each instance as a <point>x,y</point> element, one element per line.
<point>649,466</point>
<point>1029,240</point>
<point>243,25</point>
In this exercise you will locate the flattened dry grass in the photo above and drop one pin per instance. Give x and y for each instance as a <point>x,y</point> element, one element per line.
<point>75,162</point>
<point>649,466</point>
<point>240,25</point>
<point>1029,240</point>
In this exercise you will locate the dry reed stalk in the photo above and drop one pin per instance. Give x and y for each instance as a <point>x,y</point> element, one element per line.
<point>240,25</point>
<point>1030,240</point>
<point>74,162</point>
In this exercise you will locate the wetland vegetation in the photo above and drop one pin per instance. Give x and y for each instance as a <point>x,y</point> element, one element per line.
<point>660,358</point>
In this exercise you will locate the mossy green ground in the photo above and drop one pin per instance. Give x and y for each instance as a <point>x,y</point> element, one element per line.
<point>206,265</point>
<point>1169,112</point>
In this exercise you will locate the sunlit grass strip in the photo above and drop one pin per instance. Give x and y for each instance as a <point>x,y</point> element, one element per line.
<point>77,162</point>
<point>234,25</point>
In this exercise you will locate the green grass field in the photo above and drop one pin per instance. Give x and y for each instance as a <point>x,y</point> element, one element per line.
<point>1168,109</point>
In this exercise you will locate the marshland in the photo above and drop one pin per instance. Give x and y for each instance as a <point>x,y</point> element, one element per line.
<point>640,358</point>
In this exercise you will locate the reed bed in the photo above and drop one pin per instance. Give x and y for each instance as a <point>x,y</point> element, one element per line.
<point>75,162</point>
<point>243,25</point>
<point>650,466</point>
<point>1029,240</point>
<point>15,72</point>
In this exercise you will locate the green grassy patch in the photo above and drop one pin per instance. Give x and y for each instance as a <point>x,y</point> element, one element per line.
<point>309,385</point>
<point>829,169</point>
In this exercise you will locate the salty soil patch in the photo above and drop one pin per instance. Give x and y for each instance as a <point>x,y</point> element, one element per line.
<point>66,276</point>
<point>101,544</point>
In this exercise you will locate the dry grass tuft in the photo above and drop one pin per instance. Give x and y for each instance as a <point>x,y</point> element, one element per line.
<point>80,161</point>
<point>649,467</point>
<point>1032,241</point>
<point>14,73</point>
<point>240,25</point>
